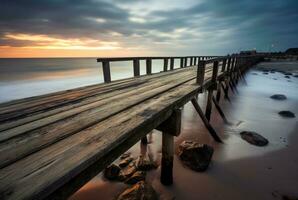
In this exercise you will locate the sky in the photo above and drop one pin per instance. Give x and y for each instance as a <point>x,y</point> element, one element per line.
<point>96,28</point>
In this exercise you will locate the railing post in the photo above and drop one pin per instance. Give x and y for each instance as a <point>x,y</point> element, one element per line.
<point>181,62</point>
<point>165,64</point>
<point>191,61</point>
<point>106,71</point>
<point>210,90</point>
<point>185,61</point>
<point>200,72</point>
<point>224,62</point>
<point>136,67</point>
<point>172,63</point>
<point>148,66</point>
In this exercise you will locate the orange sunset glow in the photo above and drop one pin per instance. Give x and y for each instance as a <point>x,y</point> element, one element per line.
<point>47,46</point>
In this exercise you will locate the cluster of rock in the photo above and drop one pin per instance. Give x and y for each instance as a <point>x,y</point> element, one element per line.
<point>285,73</point>
<point>133,172</point>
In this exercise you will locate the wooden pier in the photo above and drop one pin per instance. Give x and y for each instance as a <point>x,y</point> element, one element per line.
<point>51,145</point>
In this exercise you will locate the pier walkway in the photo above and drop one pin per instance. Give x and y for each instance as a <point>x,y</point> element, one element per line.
<point>51,145</point>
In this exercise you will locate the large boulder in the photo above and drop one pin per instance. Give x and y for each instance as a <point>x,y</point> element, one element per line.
<point>139,191</point>
<point>195,156</point>
<point>286,113</point>
<point>254,138</point>
<point>278,97</point>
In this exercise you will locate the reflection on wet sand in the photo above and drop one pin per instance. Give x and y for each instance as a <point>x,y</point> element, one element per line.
<point>239,170</point>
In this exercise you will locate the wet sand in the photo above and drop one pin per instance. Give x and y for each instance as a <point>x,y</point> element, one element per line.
<point>238,170</point>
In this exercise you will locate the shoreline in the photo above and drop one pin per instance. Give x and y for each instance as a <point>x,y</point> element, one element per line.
<point>238,169</point>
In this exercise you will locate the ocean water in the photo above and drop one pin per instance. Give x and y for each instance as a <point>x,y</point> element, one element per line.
<point>25,77</point>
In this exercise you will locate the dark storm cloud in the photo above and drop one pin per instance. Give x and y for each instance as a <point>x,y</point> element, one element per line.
<point>238,24</point>
<point>68,17</point>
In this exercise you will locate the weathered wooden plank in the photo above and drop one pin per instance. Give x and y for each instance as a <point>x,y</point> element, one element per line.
<point>27,110</point>
<point>55,165</point>
<point>46,135</point>
<point>63,95</point>
<point>83,103</point>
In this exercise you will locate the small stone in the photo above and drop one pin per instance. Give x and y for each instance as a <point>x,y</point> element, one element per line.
<point>265,72</point>
<point>254,138</point>
<point>112,172</point>
<point>125,162</point>
<point>286,113</point>
<point>287,77</point>
<point>278,97</point>
<point>136,177</point>
<point>296,75</point>
<point>195,156</point>
<point>139,191</point>
<point>144,163</point>
<point>254,73</point>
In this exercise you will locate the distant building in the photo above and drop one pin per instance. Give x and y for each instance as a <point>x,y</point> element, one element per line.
<point>248,53</point>
<point>292,51</point>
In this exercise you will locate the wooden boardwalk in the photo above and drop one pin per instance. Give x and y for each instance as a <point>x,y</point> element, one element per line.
<point>51,145</point>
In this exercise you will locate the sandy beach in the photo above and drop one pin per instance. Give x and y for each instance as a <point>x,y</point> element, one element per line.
<point>238,170</point>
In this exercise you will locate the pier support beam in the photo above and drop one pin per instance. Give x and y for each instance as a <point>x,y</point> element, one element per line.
<point>144,140</point>
<point>210,90</point>
<point>170,128</point>
<point>205,121</point>
<point>221,113</point>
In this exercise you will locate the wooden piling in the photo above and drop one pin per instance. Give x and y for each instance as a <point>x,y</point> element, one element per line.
<point>170,128</point>
<point>144,140</point>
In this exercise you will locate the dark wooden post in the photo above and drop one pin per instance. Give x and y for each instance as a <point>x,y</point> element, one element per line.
<point>210,90</point>
<point>195,61</point>
<point>170,128</point>
<point>191,61</point>
<point>185,61</point>
<point>200,72</point>
<point>205,121</point>
<point>106,71</point>
<point>136,67</point>
<point>181,62</point>
<point>148,66</point>
<point>224,62</point>
<point>172,63</point>
<point>165,64</point>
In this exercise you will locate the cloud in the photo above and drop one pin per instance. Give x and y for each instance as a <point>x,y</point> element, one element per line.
<point>157,27</point>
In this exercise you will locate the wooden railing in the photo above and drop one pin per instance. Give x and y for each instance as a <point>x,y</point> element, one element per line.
<point>168,63</point>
